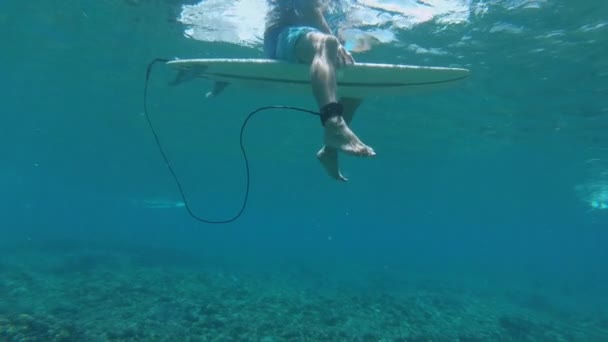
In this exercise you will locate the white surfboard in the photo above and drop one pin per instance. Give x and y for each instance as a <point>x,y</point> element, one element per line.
<point>358,80</point>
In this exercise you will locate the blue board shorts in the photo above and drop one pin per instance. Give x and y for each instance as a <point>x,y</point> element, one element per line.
<point>281,43</point>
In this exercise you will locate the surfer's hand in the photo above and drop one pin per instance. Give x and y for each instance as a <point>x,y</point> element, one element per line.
<point>344,57</point>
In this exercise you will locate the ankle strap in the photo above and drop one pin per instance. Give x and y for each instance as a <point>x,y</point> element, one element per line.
<point>331,110</point>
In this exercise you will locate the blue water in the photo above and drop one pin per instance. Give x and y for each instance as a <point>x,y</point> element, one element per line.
<point>488,198</point>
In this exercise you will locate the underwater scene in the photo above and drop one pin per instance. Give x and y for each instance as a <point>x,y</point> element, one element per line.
<point>482,216</point>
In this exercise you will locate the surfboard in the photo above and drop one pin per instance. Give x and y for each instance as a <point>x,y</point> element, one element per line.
<point>357,80</point>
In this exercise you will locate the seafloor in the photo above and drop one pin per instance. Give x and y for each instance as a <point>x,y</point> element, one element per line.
<point>66,293</point>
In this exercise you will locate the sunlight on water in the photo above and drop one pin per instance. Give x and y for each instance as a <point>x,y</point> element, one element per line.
<point>242,21</point>
<point>406,14</point>
<point>516,4</point>
<point>237,21</point>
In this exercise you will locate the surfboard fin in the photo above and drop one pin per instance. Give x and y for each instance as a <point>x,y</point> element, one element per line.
<point>183,76</point>
<point>186,75</point>
<point>218,88</point>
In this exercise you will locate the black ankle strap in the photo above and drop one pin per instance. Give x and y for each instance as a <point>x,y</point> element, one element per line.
<point>331,110</point>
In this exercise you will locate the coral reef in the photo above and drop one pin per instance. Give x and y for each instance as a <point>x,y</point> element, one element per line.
<point>108,296</point>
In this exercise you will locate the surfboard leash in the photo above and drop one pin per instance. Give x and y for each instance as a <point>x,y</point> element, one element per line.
<point>247,171</point>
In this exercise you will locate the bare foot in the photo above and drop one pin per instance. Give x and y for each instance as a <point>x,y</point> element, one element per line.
<point>340,137</point>
<point>329,159</point>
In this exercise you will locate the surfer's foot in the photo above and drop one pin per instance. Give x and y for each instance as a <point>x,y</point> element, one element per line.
<point>341,138</point>
<point>329,159</point>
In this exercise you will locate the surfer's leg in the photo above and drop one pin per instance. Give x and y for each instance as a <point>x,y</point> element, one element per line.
<point>322,51</point>
<point>328,156</point>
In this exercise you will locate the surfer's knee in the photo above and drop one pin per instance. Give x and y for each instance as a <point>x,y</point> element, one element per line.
<point>331,44</point>
<point>328,45</point>
<point>323,44</point>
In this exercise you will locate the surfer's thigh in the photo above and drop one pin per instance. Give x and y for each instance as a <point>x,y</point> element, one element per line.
<point>293,41</point>
<point>313,43</point>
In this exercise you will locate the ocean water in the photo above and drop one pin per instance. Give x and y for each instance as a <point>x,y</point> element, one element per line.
<point>484,216</point>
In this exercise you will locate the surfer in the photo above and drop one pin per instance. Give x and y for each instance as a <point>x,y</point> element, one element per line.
<point>297,31</point>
